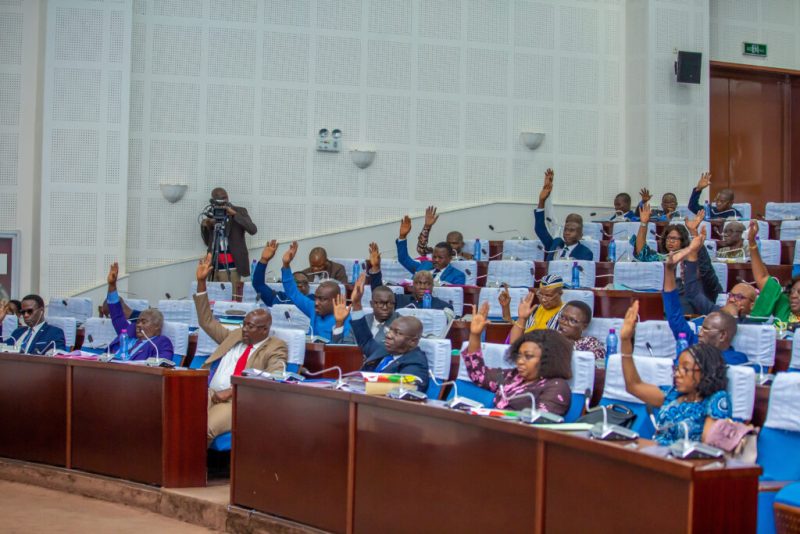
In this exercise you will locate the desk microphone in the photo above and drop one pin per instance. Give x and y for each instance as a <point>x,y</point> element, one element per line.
<point>534,416</point>
<point>47,347</point>
<point>518,236</point>
<point>158,362</point>
<point>456,402</point>
<point>340,384</point>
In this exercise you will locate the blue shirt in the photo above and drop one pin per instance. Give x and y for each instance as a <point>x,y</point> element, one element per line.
<point>322,326</point>
<point>673,412</point>
<point>266,293</point>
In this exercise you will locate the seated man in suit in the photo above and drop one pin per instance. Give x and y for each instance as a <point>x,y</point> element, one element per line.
<point>381,318</point>
<point>248,347</point>
<point>721,207</point>
<point>568,247</point>
<point>455,239</point>
<point>144,339</point>
<point>399,352</point>
<point>320,308</point>
<point>439,266</point>
<point>321,268</point>
<point>36,337</point>
<point>622,207</point>
<point>265,292</point>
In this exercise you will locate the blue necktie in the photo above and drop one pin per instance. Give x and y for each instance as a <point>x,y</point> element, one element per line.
<point>25,340</point>
<point>384,363</point>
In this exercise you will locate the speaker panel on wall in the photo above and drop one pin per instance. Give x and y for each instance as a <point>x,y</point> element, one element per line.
<point>688,66</point>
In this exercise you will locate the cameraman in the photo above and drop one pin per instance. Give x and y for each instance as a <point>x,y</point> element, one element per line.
<point>235,256</point>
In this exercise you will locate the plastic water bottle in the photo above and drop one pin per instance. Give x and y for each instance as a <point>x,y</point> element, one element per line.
<point>707,216</point>
<point>123,346</point>
<point>476,250</point>
<point>612,250</point>
<point>427,300</point>
<point>681,345</point>
<point>612,343</point>
<point>796,270</point>
<point>356,271</point>
<point>576,275</point>
<point>758,244</point>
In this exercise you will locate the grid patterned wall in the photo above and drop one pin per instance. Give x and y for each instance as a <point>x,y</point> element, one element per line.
<point>774,22</point>
<point>84,142</point>
<point>232,94</point>
<point>12,22</point>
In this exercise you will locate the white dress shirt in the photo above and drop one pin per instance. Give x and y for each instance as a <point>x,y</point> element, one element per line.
<point>226,367</point>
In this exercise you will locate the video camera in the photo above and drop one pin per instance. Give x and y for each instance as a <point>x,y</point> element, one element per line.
<point>217,210</point>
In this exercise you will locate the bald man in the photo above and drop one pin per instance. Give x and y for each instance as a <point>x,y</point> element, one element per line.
<point>721,207</point>
<point>320,267</point>
<point>234,259</point>
<point>732,243</point>
<point>244,348</point>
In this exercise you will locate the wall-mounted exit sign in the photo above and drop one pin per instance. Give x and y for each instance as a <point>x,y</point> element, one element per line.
<point>755,49</point>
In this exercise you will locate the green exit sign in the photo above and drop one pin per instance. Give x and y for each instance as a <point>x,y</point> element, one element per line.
<point>755,49</point>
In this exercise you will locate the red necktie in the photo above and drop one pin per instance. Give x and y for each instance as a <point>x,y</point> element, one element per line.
<point>242,361</point>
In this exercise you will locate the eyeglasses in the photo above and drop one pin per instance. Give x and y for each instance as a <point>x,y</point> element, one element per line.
<point>684,371</point>
<point>569,320</point>
<point>673,238</point>
<point>738,297</point>
<point>29,311</point>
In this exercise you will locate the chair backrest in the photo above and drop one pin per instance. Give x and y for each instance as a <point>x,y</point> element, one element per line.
<point>624,249</point>
<point>639,276</point>
<point>229,307</point>
<point>779,439</point>
<point>70,327</point>
<point>770,251</point>
<point>722,298</point>
<point>794,363</point>
<point>593,230</point>
<point>518,249</point>
<point>138,304</point>
<point>784,398</point>
<point>721,269</point>
<point>583,367</point>
<point>657,371</point>
<point>289,316</point>
<point>711,248</point>
<point>513,273</point>
<point>179,311</point>
<point>348,264</point>
<point>453,295</point>
<point>467,265</point>
<point>660,337</point>
<point>683,209</point>
<point>781,210</point>
<point>100,330</point>
<point>584,295</point>
<point>742,391</point>
<point>438,353</point>
<point>790,230</point>
<point>78,307</point>
<point>757,341</point>
<point>216,290</point>
<point>594,246</point>
<point>10,323</point>
<point>744,208</point>
<point>205,345</point>
<point>249,293</point>
<point>394,272</point>
<point>623,230</point>
<point>563,268</point>
<point>494,356</point>
<point>434,322</point>
<point>490,294</point>
<point>599,327</point>
<point>178,334</point>
<point>312,288</point>
<point>295,342</point>
<point>469,246</point>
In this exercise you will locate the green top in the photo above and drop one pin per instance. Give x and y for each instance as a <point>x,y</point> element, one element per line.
<point>773,301</point>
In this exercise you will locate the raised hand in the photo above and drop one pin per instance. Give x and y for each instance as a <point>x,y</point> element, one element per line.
<point>704,181</point>
<point>479,320</point>
<point>113,273</point>
<point>692,224</point>
<point>526,307</point>
<point>644,213</point>
<point>289,255</point>
<point>358,291</point>
<point>340,310</point>
<point>629,323</point>
<point>752,232</point>
<point>405,226</point>
<point>269,251</point>
<point>374,258</point>
<point>203,270</point>
<point>645,194</point>
<point>504,298</point>
<point>430,216</point>
<point>547,187</point>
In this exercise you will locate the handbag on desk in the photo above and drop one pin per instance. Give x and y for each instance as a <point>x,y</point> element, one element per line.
<point>738,440</point>
<point>617,415</point>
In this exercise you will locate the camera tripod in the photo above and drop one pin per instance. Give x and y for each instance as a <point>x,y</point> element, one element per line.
<point>219,243</point>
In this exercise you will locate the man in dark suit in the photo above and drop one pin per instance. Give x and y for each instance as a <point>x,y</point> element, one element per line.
<point>381,318</point>
<point>234,258</point>
<point>399,352</point>
<point>439,266</point>
<point>36,337</point>
<point>568,247</point>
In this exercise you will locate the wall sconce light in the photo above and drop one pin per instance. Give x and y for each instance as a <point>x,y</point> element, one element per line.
<point>362,157</point>
<point>172,193</point>
<point>532,140</point>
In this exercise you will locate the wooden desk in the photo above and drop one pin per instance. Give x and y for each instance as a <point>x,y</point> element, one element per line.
<point>615,302</point>
<point>483,269</point>
<point>320,356</point>
<point>497,332</point>
<point>458,334</point>
<point>774,229</point>
<point>783,355</point>
<point>787,252</point>
<point>445,467</point>
<point>760,406</point>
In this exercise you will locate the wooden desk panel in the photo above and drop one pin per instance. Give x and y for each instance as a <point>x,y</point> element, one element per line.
<point>787,252</point>
<point>614,303</point>
<point>320,356</point>
<point>33,408</point>
<point>743,272</point>
<point>291,452</point>
<point>783,355</point>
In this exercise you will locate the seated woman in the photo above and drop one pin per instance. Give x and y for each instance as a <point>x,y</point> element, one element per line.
<point>572,321</point>
<point>698,395</point>
<point>543,365</point>
<point>532,317</point>
<point>674,238</point>
<point>12,307</point>
<point>148,325</point>
<point>773,300</point>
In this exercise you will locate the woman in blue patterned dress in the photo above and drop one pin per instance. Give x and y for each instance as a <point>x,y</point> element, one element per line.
<point>698,395</point>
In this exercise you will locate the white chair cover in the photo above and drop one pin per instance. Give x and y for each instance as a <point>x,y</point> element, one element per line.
<point>711,247</point>
<point>453,295</point>
<point>563,268</point>
<point>744,208</point>
<point>513,273</point>
<point>594,246</point>
<point>491,293</point>
<point>757,341</point>
<point>722,273</point>
<point>205,345</point>
<point>216,290</point>
<point>312,288</point>
<point>684,211</point>
<point>229,307</point>
<point>784,398</point>
<point>137,304</point>
<point>518,249</point>
<point>742,391</point>
<point>289,316</point>
<point>393,272</point>
<point>249,293</point>
<point>624,249</point>
<point>657,371</point>
<point>790,230</point>
<point>494,355</point>
<point>467,265</point>
<point>348,264</point>
<point>722,299</point>
<point>70,327</point>
<point>599,327</point>
<point>584,295</point>
<point>639,276</point>
<point>10,323</point>
<point>794,363</point>
<point>78,307</point>
<point>438,352</point>
<point>583,367</point>
<point>179,311</point>
<point>763,227</point>
<point>101,330</point>
<point>770,251</point>
<point>624,230</point>
<point>660,337</point>
<point>295,342</point>
<point>435,323</point>
<point>178,333</point>
<point>781,210</point>
<point>593,230</point>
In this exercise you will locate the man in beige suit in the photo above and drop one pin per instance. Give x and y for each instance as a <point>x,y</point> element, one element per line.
<point>247,347</point>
